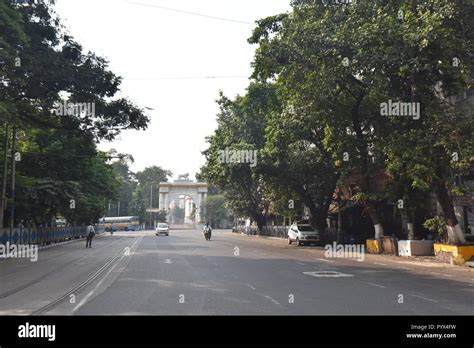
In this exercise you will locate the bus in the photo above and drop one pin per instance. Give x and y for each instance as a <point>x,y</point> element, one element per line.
<point>120,223</point>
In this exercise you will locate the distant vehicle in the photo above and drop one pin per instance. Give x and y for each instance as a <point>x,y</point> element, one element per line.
<point>162,228</point>
<point>60,223</point>
<point>120,223</point>
<point>302,234</point>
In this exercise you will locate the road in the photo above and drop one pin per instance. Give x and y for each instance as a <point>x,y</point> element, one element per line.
<point>138,273</point>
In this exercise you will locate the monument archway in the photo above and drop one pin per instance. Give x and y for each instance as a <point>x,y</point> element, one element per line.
<point>187,194</point>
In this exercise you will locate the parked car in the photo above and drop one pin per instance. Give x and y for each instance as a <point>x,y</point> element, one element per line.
<point>303,234</point>
<point>162,228</point>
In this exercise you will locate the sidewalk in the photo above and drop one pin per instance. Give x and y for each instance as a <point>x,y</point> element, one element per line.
<point>423,261</point>
<point>53,245</point>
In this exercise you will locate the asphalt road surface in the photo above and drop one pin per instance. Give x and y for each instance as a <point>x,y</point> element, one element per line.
<point>138,273</point>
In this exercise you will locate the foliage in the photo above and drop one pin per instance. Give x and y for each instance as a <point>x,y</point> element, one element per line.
<point>215,210</point>
<point>178,214</point>
<point>150,178</point>
<point>61,173</point>
<point>241,124</point>
<point>436,225</point>
<point>334,64</point>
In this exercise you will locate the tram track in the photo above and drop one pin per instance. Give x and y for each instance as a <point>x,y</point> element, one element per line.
<point>55,270</point>
<point>109,265</point>
<point>74,291</point>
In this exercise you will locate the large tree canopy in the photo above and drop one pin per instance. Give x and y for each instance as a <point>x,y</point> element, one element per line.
<point>336,64</point>
<point>335,70</point>
<point>42,68</point>
<point>242,124</point>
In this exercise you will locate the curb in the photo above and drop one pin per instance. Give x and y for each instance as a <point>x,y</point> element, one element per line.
<point>257,236</point>
<point>381,256</point>
<point>46,247</point>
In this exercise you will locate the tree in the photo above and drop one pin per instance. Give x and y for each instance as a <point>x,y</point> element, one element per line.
<point>337,64</point>
<point>241,124</point>
<point>150,178</point>
<point>138,207</point>
<point>127,183</point>
<point>299,167</point>
<point>58,148</point>
<point>178,214</point>
<point>162,216</point>
<point>215,210</point>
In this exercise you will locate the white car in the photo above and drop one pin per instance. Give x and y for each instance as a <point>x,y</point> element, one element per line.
<point>162,228</point>
<point>302,234</point>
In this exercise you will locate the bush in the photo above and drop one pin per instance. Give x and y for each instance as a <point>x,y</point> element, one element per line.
<point>437,225</point>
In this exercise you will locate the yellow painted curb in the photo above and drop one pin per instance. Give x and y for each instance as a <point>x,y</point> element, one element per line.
<point>373,246</point>
<point>466,251</point>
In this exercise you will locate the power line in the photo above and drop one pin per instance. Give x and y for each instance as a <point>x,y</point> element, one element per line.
<point>191,13</point>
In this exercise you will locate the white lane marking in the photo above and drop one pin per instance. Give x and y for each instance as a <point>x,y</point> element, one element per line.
<point>381,264</point>
<point>425,298</point>
<point>271,299</point>
<point>251,287</point>
<point>233,275</point>
<point>327,274</point>
<point>447,275</point>
<point>326,260</point>
<point>101,281</point>
<point>401,267</point>
<point>379,286</point>
<point>301,263</point>
<point>168,261</point>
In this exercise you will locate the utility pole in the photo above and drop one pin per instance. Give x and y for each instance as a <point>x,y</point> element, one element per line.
<point>118,209</point>
<point>12,217</point>
<point>3,200</point>
<point>151,205</point>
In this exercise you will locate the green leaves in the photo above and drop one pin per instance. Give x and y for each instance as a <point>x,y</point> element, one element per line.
<point>40,66</point>
<point>334,66</point>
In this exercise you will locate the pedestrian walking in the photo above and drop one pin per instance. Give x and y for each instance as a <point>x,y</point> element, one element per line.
<point>90,233</point>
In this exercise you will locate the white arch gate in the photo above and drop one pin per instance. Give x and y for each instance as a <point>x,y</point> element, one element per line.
<point>185,190</point>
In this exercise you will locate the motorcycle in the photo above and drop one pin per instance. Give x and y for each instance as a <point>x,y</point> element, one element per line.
<point>207,233</point>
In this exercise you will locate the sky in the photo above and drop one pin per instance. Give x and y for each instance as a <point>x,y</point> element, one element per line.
<point>163,49</point>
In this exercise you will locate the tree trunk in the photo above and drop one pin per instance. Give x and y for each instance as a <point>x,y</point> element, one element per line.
<point>318,209</point>
<point>408,224</point>
<point>318,218</point>
<point>364,157</point>
<point>374,216</point>
<point>411,224</point>
<point>261,221</point>
<point>455,234</point>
